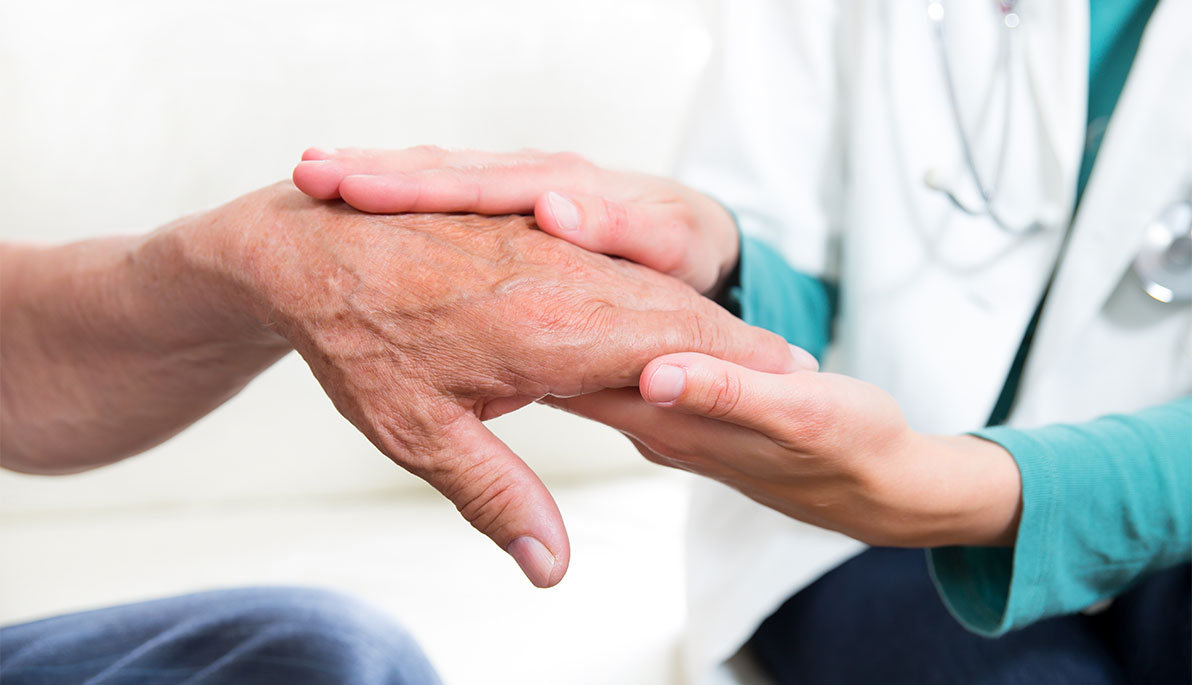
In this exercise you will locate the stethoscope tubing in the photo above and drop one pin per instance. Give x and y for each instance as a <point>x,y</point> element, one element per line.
<point>1163,264</point>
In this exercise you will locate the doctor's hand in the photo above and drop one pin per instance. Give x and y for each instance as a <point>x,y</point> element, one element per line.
<point>826,449</point>
<point>650,220</point>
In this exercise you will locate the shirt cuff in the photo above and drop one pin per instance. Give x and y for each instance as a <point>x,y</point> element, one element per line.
<point>991,590</point>
<point>777,297</point>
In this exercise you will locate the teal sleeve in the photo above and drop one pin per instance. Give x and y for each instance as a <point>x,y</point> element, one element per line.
<point>1103,504</point>
<point>771,294</point>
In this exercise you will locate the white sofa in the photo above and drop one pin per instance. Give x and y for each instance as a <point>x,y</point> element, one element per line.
<point>117,117</point>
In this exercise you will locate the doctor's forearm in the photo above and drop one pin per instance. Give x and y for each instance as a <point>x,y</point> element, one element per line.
<point>114,345</point>
<point>1104,503</point>
<point>975,488</point>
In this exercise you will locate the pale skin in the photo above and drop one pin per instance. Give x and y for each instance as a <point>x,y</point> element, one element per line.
<point>417,327</point>
<point>823,448</point>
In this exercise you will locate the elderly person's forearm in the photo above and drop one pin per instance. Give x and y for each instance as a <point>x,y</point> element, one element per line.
<point>418,327</point>
<point>112,346</point>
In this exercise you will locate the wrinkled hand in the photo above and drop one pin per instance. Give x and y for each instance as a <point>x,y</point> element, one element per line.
<point>822,448</point>
<point>650,220</point>
<point>419,327</point>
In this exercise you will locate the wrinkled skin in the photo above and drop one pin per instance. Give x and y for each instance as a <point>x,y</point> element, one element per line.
<point>418,327</point>
<point>822,448</point>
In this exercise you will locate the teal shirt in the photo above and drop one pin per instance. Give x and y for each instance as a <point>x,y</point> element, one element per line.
<point>1136,470</point>
<point>772,295</point>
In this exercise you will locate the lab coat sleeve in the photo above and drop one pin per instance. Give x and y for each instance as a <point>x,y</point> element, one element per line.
<point>765,137</point>
<point>1104,503</point>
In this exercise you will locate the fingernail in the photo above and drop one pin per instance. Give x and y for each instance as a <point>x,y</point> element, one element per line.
<point>534,558</point>
<point>804,360</point>
<point>565,211</point>
<point>666,384</point>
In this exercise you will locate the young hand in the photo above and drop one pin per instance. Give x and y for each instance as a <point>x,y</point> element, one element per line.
<point>650,220</point>
<point>822,448</point>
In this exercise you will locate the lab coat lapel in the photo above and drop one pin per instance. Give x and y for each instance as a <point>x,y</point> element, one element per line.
<point>1141,166</point>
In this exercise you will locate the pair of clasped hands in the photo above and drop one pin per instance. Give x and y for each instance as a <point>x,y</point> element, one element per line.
<point>755,413</point>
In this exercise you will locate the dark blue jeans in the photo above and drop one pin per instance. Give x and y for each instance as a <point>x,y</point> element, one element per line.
<point>262,635</point>
<point>877,619</point>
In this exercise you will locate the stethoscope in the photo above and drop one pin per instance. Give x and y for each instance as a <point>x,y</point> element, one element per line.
<point>1163,264</point>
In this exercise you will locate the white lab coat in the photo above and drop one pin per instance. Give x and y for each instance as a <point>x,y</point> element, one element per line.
<point>819,125</point>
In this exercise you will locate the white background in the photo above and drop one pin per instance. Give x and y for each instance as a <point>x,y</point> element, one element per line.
<point>118,117</point>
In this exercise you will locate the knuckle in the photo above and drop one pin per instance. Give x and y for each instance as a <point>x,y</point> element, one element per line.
<point>408,445</point>
<point>557,268</point>
<point>675,249</point>
<point>723,396</point>
<point>484,507</point>
<point>705,334</point>
<point>683,216</point>
<point>596,318</point>
<point>614,221</point>
<point>564,329</point>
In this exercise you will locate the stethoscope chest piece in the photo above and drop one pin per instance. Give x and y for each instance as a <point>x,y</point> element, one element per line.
<point>1164,262</point>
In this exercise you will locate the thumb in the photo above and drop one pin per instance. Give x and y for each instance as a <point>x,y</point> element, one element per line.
<point>502,497</point>
<point>656,235</point>
<point>717,389</point>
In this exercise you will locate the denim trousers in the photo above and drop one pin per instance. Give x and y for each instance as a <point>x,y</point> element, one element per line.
<point>878,619</point>
<point>252,636</point>
<point>875,619</point>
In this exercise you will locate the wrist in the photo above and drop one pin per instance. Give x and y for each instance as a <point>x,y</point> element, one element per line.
<point>207,261</point>
<point>727,241</point>
<point>980,492</point>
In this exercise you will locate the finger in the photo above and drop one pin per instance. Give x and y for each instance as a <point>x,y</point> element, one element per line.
<point>503,188</point>
<point>380,161</point>
<point>620,408</point>
<point>656,235</point>
<point>502,406</point>
<point>718,389</point>
<point>321,174</point>
<point>425,157</point>
<point>321,171</point>
<point>319,178</point>
<point>708,330</point>
<point>501,496</point>
<point>666,437</point>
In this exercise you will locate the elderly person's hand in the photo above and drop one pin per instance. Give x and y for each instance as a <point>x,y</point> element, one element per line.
<point>648,219</point>
<point>823,448</point>
<point>421,326</point>
<point>418,328</point>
